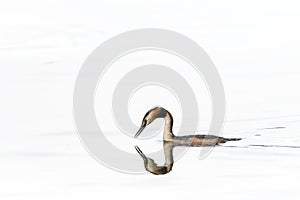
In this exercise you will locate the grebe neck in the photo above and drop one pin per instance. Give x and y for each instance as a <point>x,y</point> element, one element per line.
<point>168,133</point>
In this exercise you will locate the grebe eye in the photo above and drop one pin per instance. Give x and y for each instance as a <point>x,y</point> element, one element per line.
<point>144,122</point>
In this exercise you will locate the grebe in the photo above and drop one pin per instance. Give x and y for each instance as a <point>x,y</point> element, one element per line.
<point>189,140</point>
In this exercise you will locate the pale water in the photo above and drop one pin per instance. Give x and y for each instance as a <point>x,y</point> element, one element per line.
<point>255,47</point>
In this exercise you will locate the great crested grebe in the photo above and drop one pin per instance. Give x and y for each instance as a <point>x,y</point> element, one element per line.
<point>189,140</point>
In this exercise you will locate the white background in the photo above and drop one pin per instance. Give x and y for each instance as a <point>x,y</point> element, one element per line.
<point>255,46</point>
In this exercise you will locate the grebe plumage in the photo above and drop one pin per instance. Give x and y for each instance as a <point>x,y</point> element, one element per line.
<point>189,140</point>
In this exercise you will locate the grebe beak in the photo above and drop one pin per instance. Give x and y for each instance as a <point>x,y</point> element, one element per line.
<point>139,131</point>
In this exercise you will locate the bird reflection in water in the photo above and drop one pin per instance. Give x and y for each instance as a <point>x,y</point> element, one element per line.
<point>150,164</point>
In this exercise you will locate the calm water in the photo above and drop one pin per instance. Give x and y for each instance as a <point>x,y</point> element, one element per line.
<point>42,46</point>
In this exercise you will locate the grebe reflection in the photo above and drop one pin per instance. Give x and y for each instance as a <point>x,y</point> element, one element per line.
<point>150,164</point>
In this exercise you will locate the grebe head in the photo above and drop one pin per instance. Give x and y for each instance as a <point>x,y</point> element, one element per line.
<point>150,116</point>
